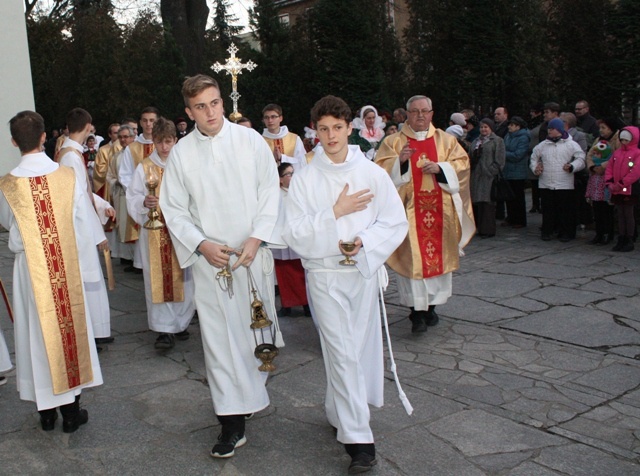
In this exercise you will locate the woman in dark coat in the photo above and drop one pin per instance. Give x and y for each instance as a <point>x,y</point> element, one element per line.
<point>516,170</point>
<point>487,159</point>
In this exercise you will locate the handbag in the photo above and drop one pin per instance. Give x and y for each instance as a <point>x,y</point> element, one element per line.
<point>501,190</point>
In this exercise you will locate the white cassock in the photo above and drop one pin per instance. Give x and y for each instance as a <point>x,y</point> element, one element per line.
<point>225,189</point>
<point>121,250</point>
<point>298,159</point>
<point>126,168</point>
<point>33,376</point>
<point>5,359</point>
<point>169,317</point>
<point>345,299</point>
<point>94,286</point>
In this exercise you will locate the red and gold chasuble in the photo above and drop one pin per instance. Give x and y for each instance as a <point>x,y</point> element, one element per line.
<point>428,214</point>
<point>43,208</point>
<point>167,278</point>
<point>286,145</point>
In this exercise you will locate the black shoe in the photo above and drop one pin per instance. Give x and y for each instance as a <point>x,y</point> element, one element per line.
<point>132,269</point>
<point>596,240</point>
<point>184,335</point>
<point>418,322</point>
<point>3,380</point>
<point>127,262</point>
<point>565,238</point>
<point>104,340</point>
<point>546,237</point>
<point>628,245</point>
<point>307,310</point>
<point>284,312</point>
<point>227,443</point>
<point>72,423</point>
<point>361,463</point>
<point>48,419</point>
<point>431,318</point>
<point>165,342</point>
<point>98,349</point>
<point>621,242</point>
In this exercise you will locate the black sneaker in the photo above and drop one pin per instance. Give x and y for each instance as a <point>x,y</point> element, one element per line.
<point>418,324</point>
<point>184,335</point>
<point>165,341</point>
<point>227,443</point>
<point>361,463</point>
<point>432,318</point>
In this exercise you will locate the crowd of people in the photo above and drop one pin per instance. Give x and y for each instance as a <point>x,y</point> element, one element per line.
<point>214,217</point>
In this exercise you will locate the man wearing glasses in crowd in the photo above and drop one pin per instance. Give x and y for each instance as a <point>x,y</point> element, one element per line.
<point>431,172</point>
<point>286,146</point>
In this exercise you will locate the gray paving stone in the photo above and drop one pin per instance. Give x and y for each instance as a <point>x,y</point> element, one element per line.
<point>476,432</point>
<point>582,326</point>
<point>523,304</point>
<point>556,296</point>
<point>578,460</point>
<point>610,289</point>
<point>476,310</point>
<point>531,469</point>
<point>497,463</point>
<point>622,306</point>
<point>614,379</point>
<point>487,285</point>
<point>628,279</point>
<point>539,269</point>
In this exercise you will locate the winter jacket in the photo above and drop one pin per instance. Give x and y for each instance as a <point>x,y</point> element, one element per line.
<point>623,169</point>
<point>486,167</point>
<point>554,155</point>
<point>517,154</point>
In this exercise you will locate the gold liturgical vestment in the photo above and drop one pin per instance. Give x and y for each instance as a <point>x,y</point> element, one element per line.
<point>43,212</point>
<point>431,247</point>
<point>101,166</point>
<point>167,277</point>
<point>286,145</point>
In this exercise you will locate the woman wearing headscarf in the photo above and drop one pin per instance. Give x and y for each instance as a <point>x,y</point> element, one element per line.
<point>487,159</point>
<point>368,131</point>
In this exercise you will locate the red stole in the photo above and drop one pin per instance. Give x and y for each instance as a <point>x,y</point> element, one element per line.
<point>428,208</point>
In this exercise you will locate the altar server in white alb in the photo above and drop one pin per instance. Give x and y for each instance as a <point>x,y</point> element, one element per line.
<point>50,221</point>
<point>342,196</point>
<point>168,289</point>
<point>220,198</point>
<point>286,146</point>
<point>79,124</point>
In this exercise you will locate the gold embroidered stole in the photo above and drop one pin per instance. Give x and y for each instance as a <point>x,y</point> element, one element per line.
<point>139,152</point>
<point>43,207</point>
<point>286,145</point>
<point>167,278</point>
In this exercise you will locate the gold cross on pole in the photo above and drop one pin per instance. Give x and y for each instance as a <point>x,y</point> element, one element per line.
<point>234,67</point>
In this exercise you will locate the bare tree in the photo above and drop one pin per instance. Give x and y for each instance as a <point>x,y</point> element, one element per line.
<point>186,21</point>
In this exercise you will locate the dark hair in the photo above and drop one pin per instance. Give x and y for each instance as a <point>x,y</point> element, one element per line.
<point>163,129</point>
<point>330,106</point>
<point>77,120</point>
<point>272,107</point>
<point>282,167</point>
<point>552,106</point>
<point>243,119</point>
<point>128,120</point>
<point>150,110</point>
<point>26,129</point>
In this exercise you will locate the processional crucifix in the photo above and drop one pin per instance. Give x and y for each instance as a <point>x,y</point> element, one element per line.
<point>234,67</point>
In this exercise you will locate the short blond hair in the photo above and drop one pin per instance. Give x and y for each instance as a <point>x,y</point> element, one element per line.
<point>194,85</point>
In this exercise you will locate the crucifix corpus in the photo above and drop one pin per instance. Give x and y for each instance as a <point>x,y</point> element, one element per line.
<point>234,67</point>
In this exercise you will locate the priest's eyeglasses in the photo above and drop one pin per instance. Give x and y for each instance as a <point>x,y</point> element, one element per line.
<point>272,117</point>
<point>424,112</point>
<point>288,174</point>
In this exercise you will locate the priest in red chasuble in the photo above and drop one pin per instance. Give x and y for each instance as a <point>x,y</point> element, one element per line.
<point>431,172</point>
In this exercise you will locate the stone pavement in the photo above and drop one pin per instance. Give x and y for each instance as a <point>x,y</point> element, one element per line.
<point>533,370</point>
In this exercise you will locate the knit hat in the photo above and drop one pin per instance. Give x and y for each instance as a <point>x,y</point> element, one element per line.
<point>625,135</point>
<point>455,131</point>
<point>458,119</point>
<point>490,123</point>
<point>605,150</point>
<point>556,124</point>
<point>613,123</point>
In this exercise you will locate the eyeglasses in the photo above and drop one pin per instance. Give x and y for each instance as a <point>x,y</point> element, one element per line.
<point>288,174</point>
<point>424,112</point>
<point>123,137</point>
<point>272,117</point>
<point>580,108</point>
